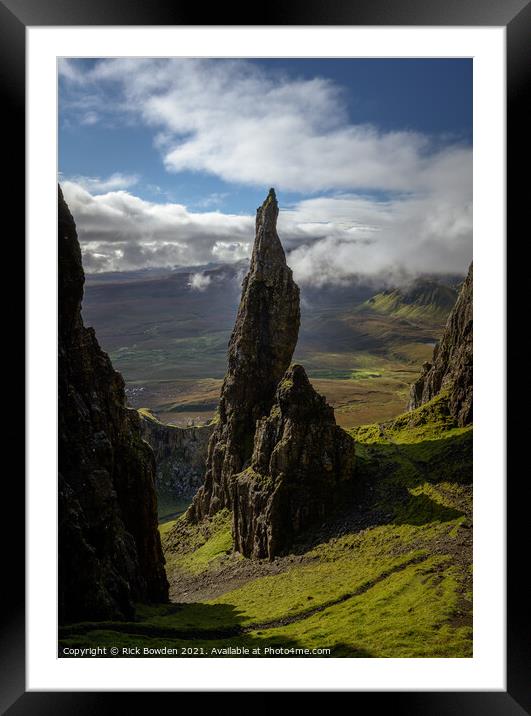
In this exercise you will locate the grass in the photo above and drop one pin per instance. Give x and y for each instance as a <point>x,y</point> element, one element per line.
<point>365,374</point>
<point>285,384</point>
<point>192,548</point>
<point>201,356</point>
<point>405,616</point>
<point>358,599</point>
<point>419,465</point>
<point>169,507</point>
<point>430,421</point>
<point>165,527</point>
<point>176,402</point>
<point>146,413</point>
<point>398,587</point>
<point>403,606</point>
<point>301,589</point>
<point>220,543</point>
<point>390,305</point>
<point>398,584</point>
<point>425,308</point>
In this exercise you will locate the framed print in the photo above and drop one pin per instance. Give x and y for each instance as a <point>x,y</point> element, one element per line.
<point>268,434</point>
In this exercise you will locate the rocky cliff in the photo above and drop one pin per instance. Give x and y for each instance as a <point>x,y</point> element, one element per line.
<point>260,350</point>
<point>300,462</point>
<point>180,455</point>
<point>451,366</point>
<point>109,547</point>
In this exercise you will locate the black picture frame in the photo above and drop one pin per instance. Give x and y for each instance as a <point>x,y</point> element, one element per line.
<point>515,15</point>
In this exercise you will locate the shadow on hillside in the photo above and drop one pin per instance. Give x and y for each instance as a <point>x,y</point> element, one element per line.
<point>194,630</point>
<point>380,493</point>
<point>447,459</point>
<point>421,510</point>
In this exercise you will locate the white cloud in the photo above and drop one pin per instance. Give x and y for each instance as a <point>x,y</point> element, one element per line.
<point>90,118</point>
<point>354,236</point>
<point>120,231</point>
<point>70,70</point>
<point>394,239</point>
<point>199,281</point>
<point>232,119</point>
<point>100,186</point>
<point>328,239</point>
<point>381,202</point>
<point>232,251</point>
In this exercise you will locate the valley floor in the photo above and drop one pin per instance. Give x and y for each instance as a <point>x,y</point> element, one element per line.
<point>358,396</point>
<point>390,575</point>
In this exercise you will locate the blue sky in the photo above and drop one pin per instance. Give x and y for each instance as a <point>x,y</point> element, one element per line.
<point>165,161</point>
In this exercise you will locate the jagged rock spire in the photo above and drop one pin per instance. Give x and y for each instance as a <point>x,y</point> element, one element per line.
<point>267,249</point>
<point>301,460</point>
<point>451,367</point>
<point>260,350</point>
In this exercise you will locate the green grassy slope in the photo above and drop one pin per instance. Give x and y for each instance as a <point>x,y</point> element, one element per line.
<point>388,576</point>
<point>423,301</point>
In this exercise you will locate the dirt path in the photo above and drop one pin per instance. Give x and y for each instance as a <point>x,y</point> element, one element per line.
<point>139,629</point>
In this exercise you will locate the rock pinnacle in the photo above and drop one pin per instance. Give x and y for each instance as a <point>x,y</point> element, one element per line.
<point>300,463</point>
<point>260,350</point>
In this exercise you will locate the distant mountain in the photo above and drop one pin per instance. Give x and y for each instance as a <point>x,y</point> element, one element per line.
<point>424,299</point>
<point>158,273</point>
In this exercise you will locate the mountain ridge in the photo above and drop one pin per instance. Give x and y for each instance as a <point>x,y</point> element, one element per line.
<point>423,298</point>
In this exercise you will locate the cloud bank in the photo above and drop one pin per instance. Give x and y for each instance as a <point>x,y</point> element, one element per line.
<point>328,239</point>
<point>120,231</point>
<point>371,202</point>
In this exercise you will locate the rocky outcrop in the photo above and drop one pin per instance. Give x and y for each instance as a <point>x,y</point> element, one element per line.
<point>260,350</point>
<point>180,455</point>
<point>109,547</point>
<point>300,462</point>
<point>451,366</point>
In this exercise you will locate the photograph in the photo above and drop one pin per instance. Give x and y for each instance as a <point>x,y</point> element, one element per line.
<point>265,357</point>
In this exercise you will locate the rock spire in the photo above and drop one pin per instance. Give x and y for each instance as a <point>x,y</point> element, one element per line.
<point>300,462</point>
<point>260,350</point>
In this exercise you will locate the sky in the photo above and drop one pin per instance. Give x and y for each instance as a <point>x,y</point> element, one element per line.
<point>163,162</point>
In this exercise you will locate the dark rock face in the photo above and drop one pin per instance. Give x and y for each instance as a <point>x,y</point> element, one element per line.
<point>300,462</point>
<point>451,366</point>
<point>260,351</point>
<point>180,456</point>
<point>109,547</point>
